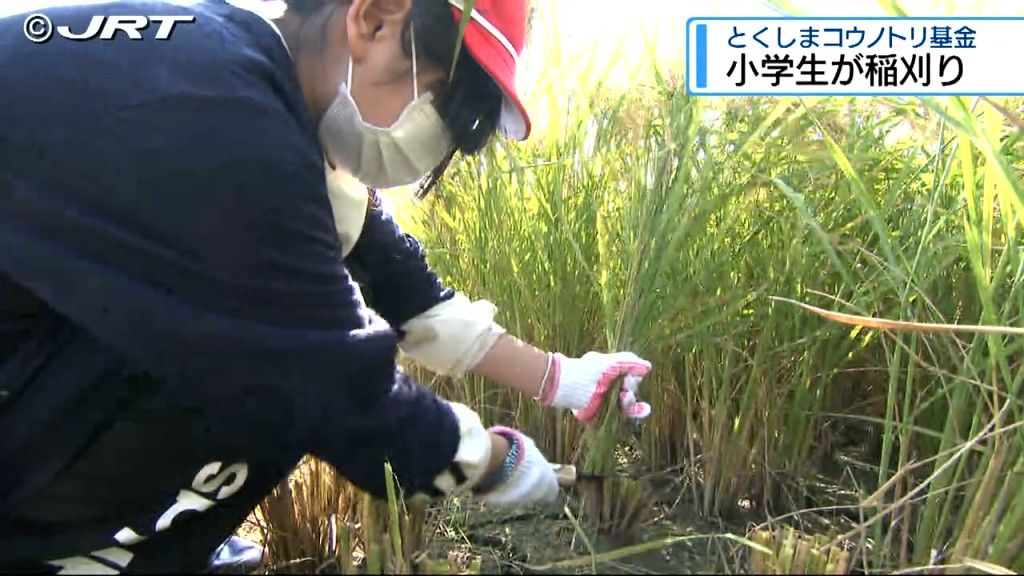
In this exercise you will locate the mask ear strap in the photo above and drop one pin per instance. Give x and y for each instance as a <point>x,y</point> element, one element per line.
<point>349,84</point>
<point>415,72</point>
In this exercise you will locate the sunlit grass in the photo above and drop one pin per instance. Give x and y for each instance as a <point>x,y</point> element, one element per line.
<point>689,229</point>
<point>678,228</point>
<point>644,228</point>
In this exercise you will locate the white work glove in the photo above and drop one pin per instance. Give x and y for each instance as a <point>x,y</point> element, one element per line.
<point>580,384</point>
<point>526,477</point>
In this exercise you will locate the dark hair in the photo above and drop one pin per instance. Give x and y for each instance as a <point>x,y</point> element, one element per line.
<point>471,105</point>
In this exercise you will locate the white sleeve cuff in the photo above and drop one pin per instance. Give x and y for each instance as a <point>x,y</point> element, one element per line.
<point>472,457</point>
<point>452,338</point>
<point>349,200</point>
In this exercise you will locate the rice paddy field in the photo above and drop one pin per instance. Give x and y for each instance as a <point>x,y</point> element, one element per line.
<point>831,292</point>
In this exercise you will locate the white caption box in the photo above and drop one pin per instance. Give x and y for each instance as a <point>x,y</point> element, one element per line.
<point>854,56</point>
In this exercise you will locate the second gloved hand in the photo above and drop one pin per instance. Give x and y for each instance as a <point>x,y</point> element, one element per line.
<point>526,477</point>
<point>580,384</point>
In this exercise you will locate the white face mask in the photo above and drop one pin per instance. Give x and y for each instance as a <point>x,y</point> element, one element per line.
<point>385,157</point>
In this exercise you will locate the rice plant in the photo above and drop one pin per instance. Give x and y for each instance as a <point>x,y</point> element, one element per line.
<point>793,553</point>
<point>319,523</point>
<point>669,224</point>
<point>831,291</point>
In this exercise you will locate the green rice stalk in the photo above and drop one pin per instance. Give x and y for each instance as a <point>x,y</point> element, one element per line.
<point>401,563</point>
<point>612,502</point>
<point>371,531</point>
<point>345,550</point>
<point>666,223</point>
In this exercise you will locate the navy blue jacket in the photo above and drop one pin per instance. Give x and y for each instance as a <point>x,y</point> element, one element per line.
<point>392,270</point>
<point>163,210</point>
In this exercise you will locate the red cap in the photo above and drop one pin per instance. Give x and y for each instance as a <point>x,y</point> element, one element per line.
<point>495,37</point>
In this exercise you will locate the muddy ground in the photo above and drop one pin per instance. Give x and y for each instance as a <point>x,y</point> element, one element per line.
<point>547,540</point>
<point>551,540</point>
<point>542,542</point>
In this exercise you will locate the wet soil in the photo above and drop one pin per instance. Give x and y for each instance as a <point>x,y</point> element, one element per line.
<point>550,540</point>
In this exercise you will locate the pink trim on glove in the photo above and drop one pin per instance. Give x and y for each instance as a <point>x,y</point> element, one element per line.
<point>605,383</point>
<point>505,430</point>
<point>635,410</point>
<point>555,377</point>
